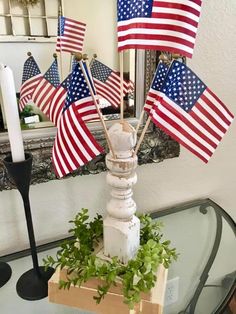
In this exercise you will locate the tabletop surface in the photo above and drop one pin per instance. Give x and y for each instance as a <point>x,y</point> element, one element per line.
<point>199,282</point>
<point>204,236</point>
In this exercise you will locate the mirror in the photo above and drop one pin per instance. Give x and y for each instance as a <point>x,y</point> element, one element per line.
<point>100,39</point>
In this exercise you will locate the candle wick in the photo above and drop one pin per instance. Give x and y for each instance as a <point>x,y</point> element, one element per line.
<point>2,66</point>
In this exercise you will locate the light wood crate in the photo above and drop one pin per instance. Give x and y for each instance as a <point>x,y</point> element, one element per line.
<point>82,297</point>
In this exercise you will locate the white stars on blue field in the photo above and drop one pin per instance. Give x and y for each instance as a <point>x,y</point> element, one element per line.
<point>52,75</point>
<point>61,26</point>
<point>30,69</point>
<point>160,76</point>
<point>78,88</point>
<point>128,9</point>
<point>100,71</point>
<point>183,86</point>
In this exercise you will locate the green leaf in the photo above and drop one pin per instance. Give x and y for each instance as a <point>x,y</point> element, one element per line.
<point>136,277</point>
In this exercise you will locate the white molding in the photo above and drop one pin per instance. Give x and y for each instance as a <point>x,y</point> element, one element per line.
<point>45,132</point>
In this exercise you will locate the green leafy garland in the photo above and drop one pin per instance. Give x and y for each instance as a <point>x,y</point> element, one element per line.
<point>139,275</point>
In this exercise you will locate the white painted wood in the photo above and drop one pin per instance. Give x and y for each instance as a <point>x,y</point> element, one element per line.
<point>121,227</point>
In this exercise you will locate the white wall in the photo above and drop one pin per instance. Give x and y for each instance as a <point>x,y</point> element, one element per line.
<point>100,36</point>
<point>159,185</point>
<point>15,54</point>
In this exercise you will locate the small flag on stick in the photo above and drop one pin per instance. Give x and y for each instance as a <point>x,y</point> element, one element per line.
<point>107,83</point>
<point>89,80</point>
<point>42,95</point>
<point>70,35</point>
<point>169,25</point>
<point>79,94</point>
<point>190,112</point>
<point>74,144</point>
<point>30,80</point>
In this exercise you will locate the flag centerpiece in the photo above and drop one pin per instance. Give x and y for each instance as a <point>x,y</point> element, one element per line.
<point>178,101</point>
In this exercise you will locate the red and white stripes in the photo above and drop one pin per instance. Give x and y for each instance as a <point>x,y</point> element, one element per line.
<point>199,130</point>
<point>74,145</point>
<point>27,90</point>
<point>171,27</point>
<point>42,95</point>
<point>110,90</point>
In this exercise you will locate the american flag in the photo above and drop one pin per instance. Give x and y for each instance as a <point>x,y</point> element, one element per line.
<point>42,95</point>
<point>74,144</point>
<point>155,89</point>
<point>107,83</point>
<point>191,113</point>
<point>58,101</point>
<point>79,92</point>
<point>169,25</point>
<point>70,36</point>
<point>30,79</point>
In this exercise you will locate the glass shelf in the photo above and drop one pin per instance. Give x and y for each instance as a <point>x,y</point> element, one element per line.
<point>204,236</point>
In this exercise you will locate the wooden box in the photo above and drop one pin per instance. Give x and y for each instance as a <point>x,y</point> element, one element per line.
<point>82,297</point>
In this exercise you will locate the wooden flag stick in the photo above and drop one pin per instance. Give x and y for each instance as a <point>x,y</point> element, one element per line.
<point>60,52</point>
<point>98,109</point>
<point>61,71</point>
<point>121,56</point>
<point>142,135</point>
<point>140,121</point>
<point>85,58</point>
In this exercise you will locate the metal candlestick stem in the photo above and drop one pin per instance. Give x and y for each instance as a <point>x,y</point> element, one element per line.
<point>33,284</point>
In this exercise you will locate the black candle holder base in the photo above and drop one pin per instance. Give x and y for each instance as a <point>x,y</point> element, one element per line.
<point>32,286</point>
<point>5,273</point>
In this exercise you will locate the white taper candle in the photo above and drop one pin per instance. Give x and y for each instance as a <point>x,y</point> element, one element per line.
<point>10,106</point>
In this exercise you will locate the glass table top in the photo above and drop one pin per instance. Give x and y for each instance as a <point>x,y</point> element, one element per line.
<point>204,236</point>
<point>204,274</point>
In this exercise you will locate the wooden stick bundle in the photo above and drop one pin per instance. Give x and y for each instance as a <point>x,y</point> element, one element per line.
<point>79,59</point>
<point>121,57</point>
<point>60,52</point>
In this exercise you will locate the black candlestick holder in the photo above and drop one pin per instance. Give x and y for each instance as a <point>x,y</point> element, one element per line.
<point>33,284</point>
<point>5,273</point>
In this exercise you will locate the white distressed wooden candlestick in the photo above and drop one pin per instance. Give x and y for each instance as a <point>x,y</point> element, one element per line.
<point>121,226</point>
